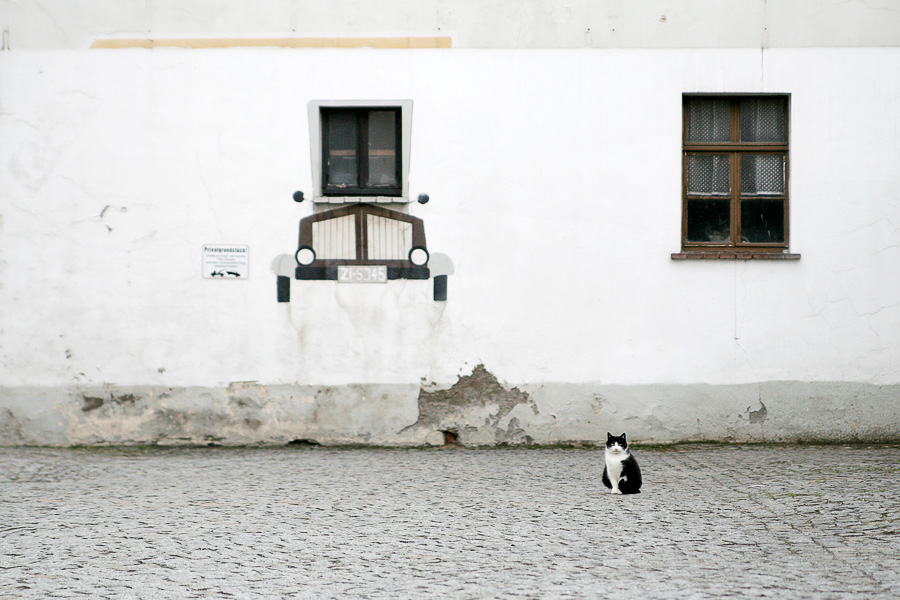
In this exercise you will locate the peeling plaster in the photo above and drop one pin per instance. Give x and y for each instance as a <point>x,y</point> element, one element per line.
<point>91,403</point>
<point>475,411</point>
<point>474,404</point>
<point>478,410</point>
<point>758,416</point>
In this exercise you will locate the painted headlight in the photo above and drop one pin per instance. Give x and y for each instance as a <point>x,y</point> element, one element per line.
<point>305,256</point>
<point>418,256</point>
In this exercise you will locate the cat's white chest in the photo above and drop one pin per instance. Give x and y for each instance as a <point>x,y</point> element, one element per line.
<point>614,467</point>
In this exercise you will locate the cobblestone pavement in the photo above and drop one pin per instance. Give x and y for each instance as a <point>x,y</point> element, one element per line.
<point>713,522</point>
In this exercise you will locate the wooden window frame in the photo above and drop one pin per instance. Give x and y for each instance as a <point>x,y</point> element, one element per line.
<point>361,115</point>
<point>734,247</point>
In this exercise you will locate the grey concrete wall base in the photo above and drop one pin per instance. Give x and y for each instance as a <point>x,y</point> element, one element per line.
<point>773,411</point>
<point>477,411</point>
<point>241,413</point>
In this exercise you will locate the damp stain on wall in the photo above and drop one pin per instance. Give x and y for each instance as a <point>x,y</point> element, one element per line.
<point>11,430</point>
<point>90,403</point>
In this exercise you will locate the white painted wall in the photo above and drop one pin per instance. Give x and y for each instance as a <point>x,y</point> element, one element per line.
<point>76,24</point>
<point>555,185</point>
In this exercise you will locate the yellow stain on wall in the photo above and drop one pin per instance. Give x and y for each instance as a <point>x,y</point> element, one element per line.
<point>362,42</point>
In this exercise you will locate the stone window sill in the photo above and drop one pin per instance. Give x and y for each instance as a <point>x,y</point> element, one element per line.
<point>733,255</point>
<point>360,200</point>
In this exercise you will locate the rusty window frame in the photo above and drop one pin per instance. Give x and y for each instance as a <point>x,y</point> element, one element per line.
<point>735,149</point>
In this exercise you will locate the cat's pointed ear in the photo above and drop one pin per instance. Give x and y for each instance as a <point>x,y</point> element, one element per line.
<point>623,436</point>
<point>608,435</point>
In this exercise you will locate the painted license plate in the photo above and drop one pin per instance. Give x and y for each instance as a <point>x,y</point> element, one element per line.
<point>362,274</point>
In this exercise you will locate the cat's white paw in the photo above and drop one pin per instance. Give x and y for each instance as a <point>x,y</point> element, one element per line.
<point>616,491</point>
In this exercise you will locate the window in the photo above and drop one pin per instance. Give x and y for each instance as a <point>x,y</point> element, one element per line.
<point>360,150</point>
<point>735,173</point>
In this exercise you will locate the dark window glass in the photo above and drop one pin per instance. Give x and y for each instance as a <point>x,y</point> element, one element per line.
<point>709,220</point>
<point>361,151</point>
<point>342,142</point>
<point>382,149</point>
<point>762,221</point>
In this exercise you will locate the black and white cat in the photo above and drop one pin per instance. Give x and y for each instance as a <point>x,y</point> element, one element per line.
<point>621,473</point>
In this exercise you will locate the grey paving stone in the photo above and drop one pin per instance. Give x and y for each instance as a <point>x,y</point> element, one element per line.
<point>712,522</point>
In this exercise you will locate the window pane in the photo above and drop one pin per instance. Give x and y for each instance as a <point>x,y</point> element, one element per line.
<point>708,175</point>
<point>382,148</point>
<point>342,168</point>
<point>762,175</point>
<point>762,221</point>
<point>709,220</point>
<point>762,119</point>
<point>708,120</point>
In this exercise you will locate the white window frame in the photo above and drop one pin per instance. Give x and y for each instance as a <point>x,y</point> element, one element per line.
<point>315,139</point>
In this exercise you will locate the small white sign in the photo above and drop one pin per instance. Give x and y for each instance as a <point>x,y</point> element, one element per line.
<point>222,261</point>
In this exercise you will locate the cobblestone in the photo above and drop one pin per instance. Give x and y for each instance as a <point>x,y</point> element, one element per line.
<point>712,522</point>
